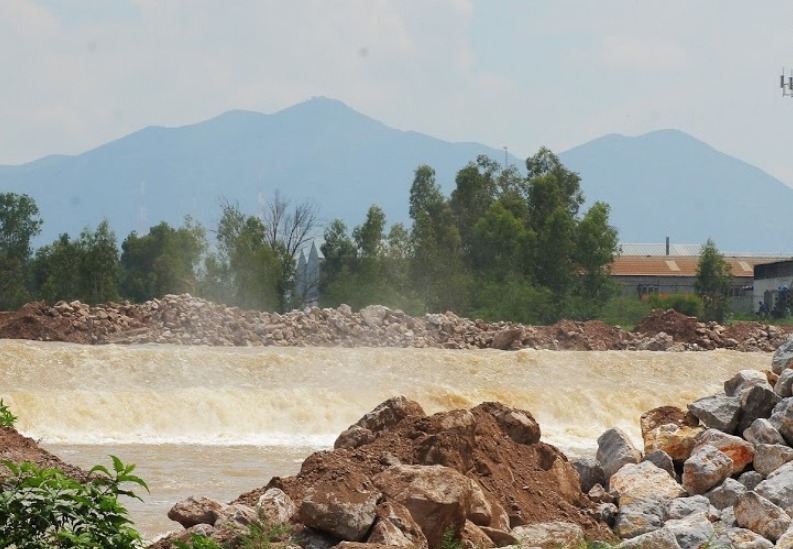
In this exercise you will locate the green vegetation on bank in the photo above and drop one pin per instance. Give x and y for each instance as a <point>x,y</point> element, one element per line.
<point>43,508</point>
<point>502,246</point>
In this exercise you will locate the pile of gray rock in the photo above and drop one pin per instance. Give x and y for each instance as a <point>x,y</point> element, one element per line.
<point>719,473</point>
<point>187,320</point>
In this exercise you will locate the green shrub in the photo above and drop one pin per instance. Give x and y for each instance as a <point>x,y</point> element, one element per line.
<point>687,304</point>
<point>43,508</point>
<point>7,419</point>
<point>197,541</point>
<point>625,311</point>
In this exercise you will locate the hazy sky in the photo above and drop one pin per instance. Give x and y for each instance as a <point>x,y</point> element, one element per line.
<point>514,73</point>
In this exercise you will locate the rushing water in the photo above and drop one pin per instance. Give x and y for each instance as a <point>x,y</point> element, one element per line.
<point>220,421</point>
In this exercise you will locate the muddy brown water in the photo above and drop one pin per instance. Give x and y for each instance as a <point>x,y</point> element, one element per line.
<point>217,422</point>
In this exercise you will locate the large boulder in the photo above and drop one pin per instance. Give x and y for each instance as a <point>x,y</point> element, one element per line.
<point>726,494</point>
<point>784,385</point>
<point>644,482</point>
<point>549,535</point>
<point>778,487</point>
<point>770,457</point>
<point>657,539</point>
<point>783,356</point>
<point>718,411</point>
<point>762,431</point>
<point>195,510</point>
<point>438,498</point>
<point>756,402</point>
<point>519,425</point>
<point>691,531</point>
<point>615,450</point>
<point>395,527</point>
<point>744,380</point>
<point>761,516</point>
<point>706,468</point>
<point>675,440</point>
<point>737,449</point>
<point>276,506</point>
<point>385,416</point>
<point>344,507</point>
<point>589,472</point>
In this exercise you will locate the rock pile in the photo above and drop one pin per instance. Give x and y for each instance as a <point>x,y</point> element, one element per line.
<point>401,478</point>
<point>720,472</point>
<point>187,320</point>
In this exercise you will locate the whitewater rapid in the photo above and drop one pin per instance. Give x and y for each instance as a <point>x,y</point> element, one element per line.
<point>220,421</point>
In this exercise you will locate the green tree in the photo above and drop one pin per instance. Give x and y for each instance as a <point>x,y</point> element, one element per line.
<point>19,224</point>
<point>245,270</point>
<point>475,191</point>
<point>99,267</point>
<point>437,268</point>
<point>596,246</point>
<point>713,282</point>
<point>164,261</point>
<point>336,283</point>
<point>56,271</point>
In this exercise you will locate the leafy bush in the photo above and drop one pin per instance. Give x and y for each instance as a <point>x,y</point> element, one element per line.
<point>43,508</point>
<point>625,311</point>
<point>686,304</point>
<point>7,419</point>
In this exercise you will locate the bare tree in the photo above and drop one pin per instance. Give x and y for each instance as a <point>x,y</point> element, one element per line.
<point>292,228</point>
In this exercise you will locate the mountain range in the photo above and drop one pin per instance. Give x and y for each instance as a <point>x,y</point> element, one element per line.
<point>661,184</point>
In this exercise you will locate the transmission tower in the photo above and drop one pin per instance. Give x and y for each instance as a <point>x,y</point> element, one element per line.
<point>786,83</point>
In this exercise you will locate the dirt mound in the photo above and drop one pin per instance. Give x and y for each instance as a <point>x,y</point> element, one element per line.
<point>493,444</point>
<point>18,449</point>
<point>682,328</point>
<point>34,322</point>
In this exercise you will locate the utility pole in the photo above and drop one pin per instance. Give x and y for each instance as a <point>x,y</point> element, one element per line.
<point>506,158</point>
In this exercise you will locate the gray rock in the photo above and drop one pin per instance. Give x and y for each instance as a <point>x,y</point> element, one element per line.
<point>644,482</point>
<point>658,539</point>
<point>706,468</point>
<point>757,402</point>
<point>761,516</point>
<point>718,411</point>
<point>725,494</point>
<point>782,356</point>
<point>277,506</point>
<point>589,471</point>
<point>598,494</point>
<point>727,516</point>
<point>770,457</point>
<point>743,381</point>
<point>750,479</point>
<point>662,460</point>
<point>682,507</point>
<point>639,517</point>
<point>614,451</point>
<point>691,531</point>
<point>784,385</point>
<point>785,541</point>
<point>778,487</point>
<point>549,534</point>
<point>761,431</point>
<point>739,538</point>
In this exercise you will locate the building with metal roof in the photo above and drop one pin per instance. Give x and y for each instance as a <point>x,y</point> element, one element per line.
<point>666,269</point>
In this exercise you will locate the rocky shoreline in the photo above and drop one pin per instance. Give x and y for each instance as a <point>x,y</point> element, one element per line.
<point>187,320</point>
<point>719,474</point>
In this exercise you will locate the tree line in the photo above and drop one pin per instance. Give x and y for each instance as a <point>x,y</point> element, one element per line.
<point>501,246</point>
<point>251,264</point>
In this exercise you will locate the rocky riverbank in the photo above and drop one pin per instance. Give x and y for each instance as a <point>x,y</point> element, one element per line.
<point>187,320</point>
<point>719,474</point>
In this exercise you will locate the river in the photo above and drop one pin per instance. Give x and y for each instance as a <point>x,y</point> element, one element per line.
<point>218,422</point>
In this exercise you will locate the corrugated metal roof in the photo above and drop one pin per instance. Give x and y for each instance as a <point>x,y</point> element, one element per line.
<point>665,265</point>
<point>659,248</point>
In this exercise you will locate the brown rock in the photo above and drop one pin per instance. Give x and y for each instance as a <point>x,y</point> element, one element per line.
<point>396,528</point>
<point>438,498</point>
<point>192,511</point>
